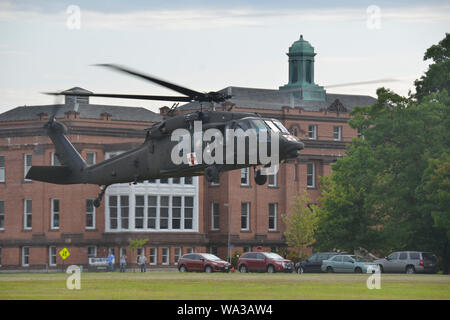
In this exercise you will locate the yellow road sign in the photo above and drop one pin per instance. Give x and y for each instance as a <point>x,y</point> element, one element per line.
<point>64,253</point>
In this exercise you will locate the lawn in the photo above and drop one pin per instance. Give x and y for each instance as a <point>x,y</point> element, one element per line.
<point>201,286</point>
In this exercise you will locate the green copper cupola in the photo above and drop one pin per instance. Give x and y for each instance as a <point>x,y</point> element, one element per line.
<point>301,72</point>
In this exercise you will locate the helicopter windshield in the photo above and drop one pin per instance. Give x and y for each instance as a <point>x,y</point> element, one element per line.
<point>280,125</point>
<point>258,125</point>
<point>272,126</point>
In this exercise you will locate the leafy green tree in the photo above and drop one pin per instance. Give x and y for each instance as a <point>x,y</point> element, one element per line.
<point>437,78</point>
<point>301,223</point>
<point>391,190</point>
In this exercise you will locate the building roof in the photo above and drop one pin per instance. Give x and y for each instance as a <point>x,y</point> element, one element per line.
<point>86,111</point>
<point>272,99</point>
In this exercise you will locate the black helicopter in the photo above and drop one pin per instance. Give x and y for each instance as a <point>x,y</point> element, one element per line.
<point>152,159</point>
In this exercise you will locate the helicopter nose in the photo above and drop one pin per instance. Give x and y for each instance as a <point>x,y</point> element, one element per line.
<point>290,146</point>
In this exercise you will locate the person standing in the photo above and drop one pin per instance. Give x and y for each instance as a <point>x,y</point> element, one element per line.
<point>142,260</point>
<point>123,263</point>
<point>111,262</point>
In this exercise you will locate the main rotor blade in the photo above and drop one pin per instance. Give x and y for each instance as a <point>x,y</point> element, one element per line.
<point>359,83</point>
<point>124,96</point>
<point>195,95</point>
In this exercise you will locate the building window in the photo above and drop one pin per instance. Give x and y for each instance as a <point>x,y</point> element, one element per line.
<point>215,222</point>
<point>52,256</point>
<point>118,212</point>
<point>153,256</point>
<point>245,172</point>
<point>55,160</point>
<point>310,175</point>
<point>187,180</point>
<point>91,158</point>
<point>28,158</point>
<point>176,180</point>
<point>337,133</point>
<point>28,212</point>
<point>273,207</point>
<point>176,212</point>
<point>90,214</point>
<point>139,212</point>
<point>54,220</point>
<point>312,131</point>
<point>164,212</point>
<point>2,168</point>
<point>25,256</point>
<point>165,256</point>
<point>272,178</point>
<point>2,215</point>
<point>164,180</point>
<point>188,212</point>
<point>190,250</point>
<point>245,215</point>
<point>92,252</point>
<point>152,211</point>
<point>176,255</point>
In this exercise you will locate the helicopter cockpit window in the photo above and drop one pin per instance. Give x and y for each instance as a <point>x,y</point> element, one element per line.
<point>280,125</point>
<point>243,125</point>
<point>272,126</point>
<point>258,125</point>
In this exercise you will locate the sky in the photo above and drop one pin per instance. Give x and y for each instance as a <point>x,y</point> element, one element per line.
<point>209,45</point>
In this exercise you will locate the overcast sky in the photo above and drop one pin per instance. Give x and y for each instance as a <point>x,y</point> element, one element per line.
<point>210,45</point>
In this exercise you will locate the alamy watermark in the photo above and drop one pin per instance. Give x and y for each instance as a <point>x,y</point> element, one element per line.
<point>73,21</point>
<point>373,17</point>
<point>374,281</point>
<point>74,280</point>
<point>251,147</point>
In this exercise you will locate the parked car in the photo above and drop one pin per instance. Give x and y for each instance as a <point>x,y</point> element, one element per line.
<point>202,262</point>
<point>347,263</point>
<point>409,262</point>
<point>314,262</point>
<point>264,262</point>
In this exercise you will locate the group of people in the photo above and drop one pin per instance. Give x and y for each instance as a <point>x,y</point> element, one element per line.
<point>141,260</point>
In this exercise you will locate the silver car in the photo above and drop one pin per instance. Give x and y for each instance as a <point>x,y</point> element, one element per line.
<point>409,262</point>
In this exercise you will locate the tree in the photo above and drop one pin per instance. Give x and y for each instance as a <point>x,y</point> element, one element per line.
<point>301,223</point>
<point>137,243</point>
<point>437,77</point>
<point>391,190</point>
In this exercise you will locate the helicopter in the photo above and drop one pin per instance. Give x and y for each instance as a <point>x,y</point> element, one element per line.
<point>154,158</point>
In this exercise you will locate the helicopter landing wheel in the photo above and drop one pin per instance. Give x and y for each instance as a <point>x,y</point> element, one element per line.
<point>260,179</point>
<point>98,200</point>
<point>212,174</point>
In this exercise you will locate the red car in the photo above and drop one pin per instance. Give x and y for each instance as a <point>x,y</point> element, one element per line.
<point>264,262</point>
<point>202,262</point>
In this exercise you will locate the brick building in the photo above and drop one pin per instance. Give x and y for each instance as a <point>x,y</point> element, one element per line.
<point>177,216</point>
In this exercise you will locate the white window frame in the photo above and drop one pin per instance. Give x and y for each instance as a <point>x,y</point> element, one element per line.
<point>94,158</point>
<point>53,213</point>
<point>3,169</point>
<point>247,215</point>
<point>339,133</point>
<point>214,216</point>
<point>154,255</point>
<point>25,255</point>
<point>167,256</point>
<point>93,213</point>
<point>51,255</point>
<point>312,132</point>
<point>247,173</point>
<point>312,174</point>
<point>275,206</point>
<point>176,255</point>
<point>274,183</point>
<point>55,160</point>
<point>25,166</point>
<point>26,214</point>
<point>92,255</point>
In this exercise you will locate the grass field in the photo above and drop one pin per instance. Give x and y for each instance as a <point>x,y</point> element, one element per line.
<point>201,286</point>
